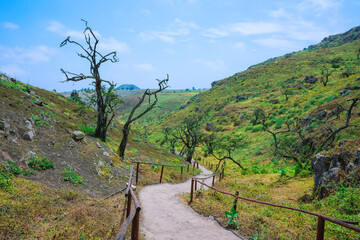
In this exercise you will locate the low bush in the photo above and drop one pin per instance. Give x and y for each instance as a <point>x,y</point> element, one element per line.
<point>40,163</point>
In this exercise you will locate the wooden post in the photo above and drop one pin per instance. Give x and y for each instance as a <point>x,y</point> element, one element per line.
<point>188,168</point>
<point>197,165</point>
<point>135,226</point>
<point>192,191</point>
<point>128,207</point>
<point>181,171</point>
<point>320,229</point>
<point>236,200</point>
<point>213,181</point>
<point>137,172</point>
<point>162,170</point>
<point>195,185</point>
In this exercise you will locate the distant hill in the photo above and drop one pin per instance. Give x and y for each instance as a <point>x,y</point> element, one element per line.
<point>127,87</point>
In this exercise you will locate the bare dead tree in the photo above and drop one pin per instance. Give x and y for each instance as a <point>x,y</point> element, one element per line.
<point>333,132</point>
<point>152,101</point>
<point>95,58</point>
<point>325,72</point>
<point>300,144</point>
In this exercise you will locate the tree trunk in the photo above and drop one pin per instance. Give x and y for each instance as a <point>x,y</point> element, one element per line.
<point>189,155</point>
<point>122,146</point>
<point>100,131</point>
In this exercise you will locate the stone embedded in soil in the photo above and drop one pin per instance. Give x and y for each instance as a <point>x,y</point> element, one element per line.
<point>78,135</point>
<point>28,136</point>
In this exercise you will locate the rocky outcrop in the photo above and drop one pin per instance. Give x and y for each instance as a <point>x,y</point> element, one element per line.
<point>310,79</point>
<point>331,171</point>
<point>30,133</point>
<point>217,83</point>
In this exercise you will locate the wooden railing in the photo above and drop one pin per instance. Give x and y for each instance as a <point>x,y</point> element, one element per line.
<point>187,166</point>
<point>132,215</point>
<point>321,218</point>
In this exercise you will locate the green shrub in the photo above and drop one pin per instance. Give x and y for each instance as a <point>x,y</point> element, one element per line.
<point>71,175</point>
<point>87,129</point>
<point>38,121</point>
<point>15,170</point>
<point>5,180</point>
<point>40,163</point>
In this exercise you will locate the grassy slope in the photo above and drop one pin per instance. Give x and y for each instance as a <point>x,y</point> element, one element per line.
<point>263,180</point>
<point>40,205</point>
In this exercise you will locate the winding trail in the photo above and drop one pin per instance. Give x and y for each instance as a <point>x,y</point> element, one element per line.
<point>165,217</point>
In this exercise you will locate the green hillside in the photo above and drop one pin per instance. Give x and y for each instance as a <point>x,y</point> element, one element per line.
<point>277,96</point>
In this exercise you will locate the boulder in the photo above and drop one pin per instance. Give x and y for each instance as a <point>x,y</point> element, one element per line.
<point>38,102</point>
<point>78,135</point>
<point>28,136</point>
<point>28,125</point>
<point>320,164</point>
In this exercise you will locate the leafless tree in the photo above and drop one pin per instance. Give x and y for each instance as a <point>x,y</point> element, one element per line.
<point>326,72</point>
<point>152,98</point>
<point>95,58</point>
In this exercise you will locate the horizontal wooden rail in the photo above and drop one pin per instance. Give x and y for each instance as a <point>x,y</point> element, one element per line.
<point>321,218</point>
<point>160,164</point>
<point>162,168</point>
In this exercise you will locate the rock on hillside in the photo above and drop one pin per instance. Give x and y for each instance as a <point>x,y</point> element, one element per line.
<point>27,128</point>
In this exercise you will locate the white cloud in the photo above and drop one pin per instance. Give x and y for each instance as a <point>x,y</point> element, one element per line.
<point>275,43</point>
<point>30,55</point>
<point>111,44</point>
<point>154,35</point>
<point>12,70</point>
<point>215,65</point>
<point>215,33</point>
<point>321,5</point>
<point>243,28</point>
<point>108,44</point>
<point>10,25</point>
<point>252,28</point>
<point>178,28</point>
<point>144,66</point>
<point>180,23</point>
<point>280,13</point>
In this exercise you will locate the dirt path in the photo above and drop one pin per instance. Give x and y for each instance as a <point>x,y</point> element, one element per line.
<point>165,217</point>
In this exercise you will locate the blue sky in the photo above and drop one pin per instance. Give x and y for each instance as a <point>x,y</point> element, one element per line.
<point>194,41</point>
